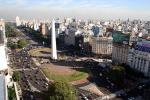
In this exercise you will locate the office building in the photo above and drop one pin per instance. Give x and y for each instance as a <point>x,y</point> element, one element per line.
<point>120,47</point>
<point>139,57</point>
<point>43,29</point>
<point>102,45</point>
<point>18,22</point>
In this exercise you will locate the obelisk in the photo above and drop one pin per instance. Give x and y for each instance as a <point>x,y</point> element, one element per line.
<point>53,39</point>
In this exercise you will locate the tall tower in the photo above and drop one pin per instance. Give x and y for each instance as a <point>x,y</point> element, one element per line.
<point>53,38</point>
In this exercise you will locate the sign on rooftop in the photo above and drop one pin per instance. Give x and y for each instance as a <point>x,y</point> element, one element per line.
<point>119,37</point>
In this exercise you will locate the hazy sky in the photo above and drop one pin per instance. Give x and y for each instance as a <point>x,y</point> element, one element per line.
<point>89,9</point>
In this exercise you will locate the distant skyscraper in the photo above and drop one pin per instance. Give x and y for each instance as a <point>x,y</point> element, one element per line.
<point>18,22</point>
<point>43,28</point>
<point>53,38</point>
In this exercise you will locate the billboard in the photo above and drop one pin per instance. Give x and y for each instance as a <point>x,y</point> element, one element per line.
<point>119,37</point>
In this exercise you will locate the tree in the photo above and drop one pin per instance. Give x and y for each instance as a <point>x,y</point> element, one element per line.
<point>11,93</point>
<point>132,72</point>
<point>62,91</point>
<point>12,45</point>
<point>22,43</point>
<point>11,31</point>
<point>16,76</point>
<point>117,74</point>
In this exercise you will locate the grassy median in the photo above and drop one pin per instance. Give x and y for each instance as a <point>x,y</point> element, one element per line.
<point>70,76</point>
<point>38,52</point>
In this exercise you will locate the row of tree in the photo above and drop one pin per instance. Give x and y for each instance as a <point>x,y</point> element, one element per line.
<point>37,35</point>
<point>11,31</point>
<point>119,73</point>
<point>19,45</point>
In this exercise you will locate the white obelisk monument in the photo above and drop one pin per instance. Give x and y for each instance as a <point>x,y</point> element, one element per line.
<point>53,38</point>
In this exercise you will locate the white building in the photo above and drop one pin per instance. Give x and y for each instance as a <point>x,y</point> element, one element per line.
<point>18,22</point>
<point>139,57</point>
<point>36,26</point>
<point>3,61</point>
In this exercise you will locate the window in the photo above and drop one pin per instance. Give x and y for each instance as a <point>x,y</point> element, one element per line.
<point>1,38</point>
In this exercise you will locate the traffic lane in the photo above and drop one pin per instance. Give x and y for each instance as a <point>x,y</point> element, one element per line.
<point>85,95</point>
<point>37,79</point>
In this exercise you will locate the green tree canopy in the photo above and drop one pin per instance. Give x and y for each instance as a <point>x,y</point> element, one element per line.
<point>12,45</point>
<point>62,91</point>
<point>11,31</point>
<point>22,43</point>
<point>16,76</point>
<point>117,74</point>
<point>11,93</point>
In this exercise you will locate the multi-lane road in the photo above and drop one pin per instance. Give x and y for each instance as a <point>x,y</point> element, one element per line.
<point>32,80</point>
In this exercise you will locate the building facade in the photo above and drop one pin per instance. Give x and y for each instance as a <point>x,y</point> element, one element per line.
<point>87,44</point>
<point>102,45</point>
<point>18,22</point>
<point>43,29</point>
<point>139,58</point>
<point>120,53</point>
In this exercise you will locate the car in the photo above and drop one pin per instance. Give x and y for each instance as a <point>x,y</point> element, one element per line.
<point>90,97</point>
<point>100,74</point>
<point>118,95</point>
<point>131,98</point>
<point>37,82</point>
<point>112,84</point>
<point>141,86</point>
<point>46,84</point>
<point>84,98</point>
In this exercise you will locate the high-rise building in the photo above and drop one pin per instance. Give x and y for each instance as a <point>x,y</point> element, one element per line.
<point>120,47</point>
<point>36,26</point>
<point>102,45</point>
<point>139,57</point>
<point>120,53</point>
<point>43,28</point>
<point>87,44</point>
<point>53,38</point>
<point>18,22</point>
<point>71,32</point>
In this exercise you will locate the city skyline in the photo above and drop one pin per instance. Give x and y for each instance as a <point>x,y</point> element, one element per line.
<point>84,9</point>
<point>74,50</point>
